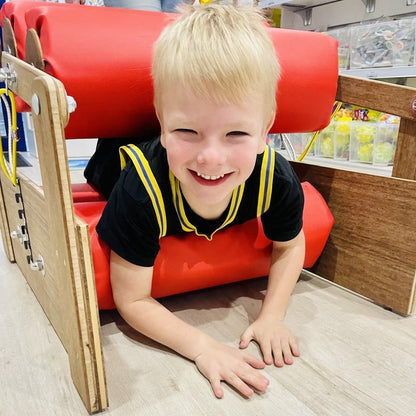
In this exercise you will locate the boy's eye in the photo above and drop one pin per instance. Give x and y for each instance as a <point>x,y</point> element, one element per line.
<point>237,133</point>
<point>185,131</point>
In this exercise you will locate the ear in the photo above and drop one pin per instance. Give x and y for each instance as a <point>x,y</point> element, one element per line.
<point>262,143</point>
<point>269,124</point>
<point>162,130</point>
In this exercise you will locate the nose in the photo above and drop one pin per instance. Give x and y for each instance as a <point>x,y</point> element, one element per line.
<point>211,153</point>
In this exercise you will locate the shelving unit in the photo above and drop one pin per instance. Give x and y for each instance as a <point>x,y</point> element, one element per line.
<point>323,14</point>
<point>382,72</point>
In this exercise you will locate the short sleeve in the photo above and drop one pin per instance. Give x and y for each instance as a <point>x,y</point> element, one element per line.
<point>128,224</point>
<point>284,219</point>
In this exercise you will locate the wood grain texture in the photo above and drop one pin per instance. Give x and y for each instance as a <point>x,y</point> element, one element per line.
<point>61,219</point>
<point>9,44</point>
<point>377,95</point>
<point>405,157</point>
<point>90,303</point>
<point>4,223</point>
<point>34,54</point>
<point>356,358</point>
<point>372,246</point>
<point>52,226</point>
<point>388,98</point>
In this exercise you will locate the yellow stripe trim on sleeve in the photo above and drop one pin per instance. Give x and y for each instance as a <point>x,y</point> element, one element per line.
<point>149,181</point>
<point>266,181</point>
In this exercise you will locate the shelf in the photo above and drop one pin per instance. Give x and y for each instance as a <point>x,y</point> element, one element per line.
<point>350,166</point>
<point>299,4</point>
<point>383,73</point>
<point>296,6</point>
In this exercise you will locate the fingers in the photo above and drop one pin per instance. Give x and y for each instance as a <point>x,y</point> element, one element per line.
<point>247,382</point>
<point>244,378</point>
<point>289,351</point>
<point>279,352</point>
<point>266,350</point>
<point>294,347</point>
<point>217,389</point>
<point>245,339</point>
<point>254,362</point>
<point>241,384</point>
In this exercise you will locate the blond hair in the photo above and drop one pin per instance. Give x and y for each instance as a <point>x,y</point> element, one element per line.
<point>219,52</point>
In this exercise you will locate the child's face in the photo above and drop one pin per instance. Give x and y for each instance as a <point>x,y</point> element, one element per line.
<point>211,147</point>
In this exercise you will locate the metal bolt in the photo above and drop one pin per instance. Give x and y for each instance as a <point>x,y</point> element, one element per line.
<point>72,104</point>
<point>18,234</point>
<point>413,107</point>
<point>38,265</point>
<point>35,104</point>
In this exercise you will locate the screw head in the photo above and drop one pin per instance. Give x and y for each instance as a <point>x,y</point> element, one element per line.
<point>35,104</point>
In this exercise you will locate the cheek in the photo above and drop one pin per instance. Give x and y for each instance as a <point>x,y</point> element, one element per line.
<point>245,160</point>
<point>177,154</point>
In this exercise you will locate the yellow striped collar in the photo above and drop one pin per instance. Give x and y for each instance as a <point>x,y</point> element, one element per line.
<point>186,225</point>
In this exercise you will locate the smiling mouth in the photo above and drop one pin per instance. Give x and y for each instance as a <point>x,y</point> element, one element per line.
<point>209,179</point>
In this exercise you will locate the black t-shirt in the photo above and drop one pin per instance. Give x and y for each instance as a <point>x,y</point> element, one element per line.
<point>130,227</point>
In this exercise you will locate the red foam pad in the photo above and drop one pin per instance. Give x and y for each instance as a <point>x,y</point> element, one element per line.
<point>106,68</point>
<point>188,262</point>
<point>15,11</point>
<point>84,192</point>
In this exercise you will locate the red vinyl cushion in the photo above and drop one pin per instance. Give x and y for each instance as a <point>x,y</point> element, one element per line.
<point>15,11</point>
<point>106,68</point>
<point>188,262</point>
<point>84,192</point>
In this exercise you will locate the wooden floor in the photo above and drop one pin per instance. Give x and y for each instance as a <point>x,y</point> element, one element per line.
<point>357,358</point>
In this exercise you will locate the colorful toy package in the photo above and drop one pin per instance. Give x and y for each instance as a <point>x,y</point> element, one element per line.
<point>380,44</point>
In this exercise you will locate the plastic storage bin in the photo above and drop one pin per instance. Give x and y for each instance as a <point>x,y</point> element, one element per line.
<point>342,35</point>
<point>341,140</point>
<point>362,136</point>
<point>324,145</point>
<point>385,144</point>
<point>389,43</point>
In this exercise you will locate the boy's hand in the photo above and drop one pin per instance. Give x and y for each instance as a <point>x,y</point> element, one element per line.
<point>276,342</point>
<point>220,362</point>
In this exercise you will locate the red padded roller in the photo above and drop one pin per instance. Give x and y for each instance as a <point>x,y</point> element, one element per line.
<point>14,12</point>
<point>188,262</point>
<point>12,20</point>
<point>103,57</point>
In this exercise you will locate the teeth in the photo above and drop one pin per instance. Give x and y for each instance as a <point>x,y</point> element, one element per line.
<point>208,177</point>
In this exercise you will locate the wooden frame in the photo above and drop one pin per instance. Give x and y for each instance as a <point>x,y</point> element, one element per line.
<point>65,287</point>
<point>372,249</point>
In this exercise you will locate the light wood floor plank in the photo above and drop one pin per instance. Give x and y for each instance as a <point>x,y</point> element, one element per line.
<point>357,358</point>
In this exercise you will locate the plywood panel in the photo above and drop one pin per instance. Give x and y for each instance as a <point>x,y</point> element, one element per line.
<point>90,303</point>
<point>62,292</point>
<point>405,157</point>
<point>377,95</point>
<point>393,99</point>
<point>76,317</point>
<point>372,247</point>
<point>4,223</point>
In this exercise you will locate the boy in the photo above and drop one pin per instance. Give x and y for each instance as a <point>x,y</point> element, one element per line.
<point>215,74</point>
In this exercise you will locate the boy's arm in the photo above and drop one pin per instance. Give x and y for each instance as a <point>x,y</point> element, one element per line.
<point>275,339</point>
<point>131,287</point>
